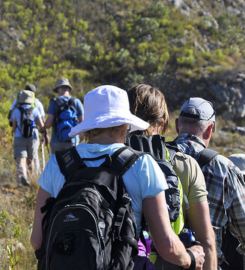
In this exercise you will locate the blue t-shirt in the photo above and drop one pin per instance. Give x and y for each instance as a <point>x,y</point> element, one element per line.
<point>53,110</point>
<point>143,180</point>
<point>16,115</point>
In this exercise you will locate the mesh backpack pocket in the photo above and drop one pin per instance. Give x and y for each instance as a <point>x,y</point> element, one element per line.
<point>27,122</point>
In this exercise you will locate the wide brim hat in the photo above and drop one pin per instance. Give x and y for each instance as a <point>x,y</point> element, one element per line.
<point>62,82</point>
<point>26,97</point>
<point>239,161</point>
<point>107,106</point>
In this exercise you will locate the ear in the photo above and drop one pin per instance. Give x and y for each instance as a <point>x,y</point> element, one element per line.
<point>209,131</point>
<point>177,125</point>
<point>159,127</point>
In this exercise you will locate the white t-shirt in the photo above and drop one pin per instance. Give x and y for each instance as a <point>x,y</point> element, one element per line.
<point>143,180</point>
<point>38,104</point>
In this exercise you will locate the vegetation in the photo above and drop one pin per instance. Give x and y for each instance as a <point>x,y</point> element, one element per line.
<point>119,42</point>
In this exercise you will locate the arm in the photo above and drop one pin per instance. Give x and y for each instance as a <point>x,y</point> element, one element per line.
<point>14,125</point>
<point>80,118</point>
<point>199,222</point>
<point>9,114</point>
<point>235,194</point>
<point>165,240</point>
<point>36,236</point>
<point>49,121</point>
<point>41,126</point>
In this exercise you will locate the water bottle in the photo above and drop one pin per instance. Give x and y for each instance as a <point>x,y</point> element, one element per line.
<point>188,238</point>
<point>33,124</point>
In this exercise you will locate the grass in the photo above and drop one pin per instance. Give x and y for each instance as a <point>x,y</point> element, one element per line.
<point>17,203</point>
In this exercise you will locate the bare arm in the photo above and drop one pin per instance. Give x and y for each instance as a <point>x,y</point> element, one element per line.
<point>80,118</point>
<point>165,240</point>
<point>199,221</point>
<point>9,114</point>
<point>49,121</point>
<point>36,236</point>
<point>14,125</point>
<point>40,122</point>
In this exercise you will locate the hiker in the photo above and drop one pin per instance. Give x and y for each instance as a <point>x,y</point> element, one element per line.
<point>224,182</point>
<point>107,121</point>
<point>26,140</point>
<point>235,259</point>
<point>36,102</point>
<point>55,109</point>
<point>148,103</point>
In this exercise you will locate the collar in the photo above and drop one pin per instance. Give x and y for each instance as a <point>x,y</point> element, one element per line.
<point>190,137</point>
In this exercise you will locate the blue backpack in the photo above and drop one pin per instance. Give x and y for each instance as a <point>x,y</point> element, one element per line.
<point>66,118</point>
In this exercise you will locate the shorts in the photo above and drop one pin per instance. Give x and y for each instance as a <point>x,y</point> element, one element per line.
<point>25,147</point>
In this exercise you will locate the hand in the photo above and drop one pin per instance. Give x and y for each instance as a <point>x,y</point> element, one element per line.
<point>199,256</point>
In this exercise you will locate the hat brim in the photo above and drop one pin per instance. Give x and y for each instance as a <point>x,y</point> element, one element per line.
<point>107,121</point>
<point>28,100</point>
<point>55,89</point>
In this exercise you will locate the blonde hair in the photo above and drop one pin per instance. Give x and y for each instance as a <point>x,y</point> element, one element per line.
<point>148,103</point>
<point>97,131</point>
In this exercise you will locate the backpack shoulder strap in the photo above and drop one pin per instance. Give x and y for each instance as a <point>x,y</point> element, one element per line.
<point>71,100</point>
<point>58,102</point>
<point>69,161</point>
<point>205,156</point>
<point>124,158</point>
<point>153,145</point>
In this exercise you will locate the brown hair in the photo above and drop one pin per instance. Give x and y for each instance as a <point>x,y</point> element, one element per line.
<point>148,103</point>
<point>97,131</point>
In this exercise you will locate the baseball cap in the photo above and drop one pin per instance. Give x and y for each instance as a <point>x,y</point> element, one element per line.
<point>198,108</point>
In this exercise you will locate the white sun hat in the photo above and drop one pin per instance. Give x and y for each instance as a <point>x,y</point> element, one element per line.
<point>107,106</point>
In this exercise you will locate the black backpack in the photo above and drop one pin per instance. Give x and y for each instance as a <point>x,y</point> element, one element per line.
<point>66,118</point>
<point>90,225</point>
<point>155,146</point>
<point>27,122</point>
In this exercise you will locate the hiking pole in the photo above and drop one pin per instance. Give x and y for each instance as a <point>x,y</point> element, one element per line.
<point>48,150</point>
<point>43,157</point>
<point>46,142</point>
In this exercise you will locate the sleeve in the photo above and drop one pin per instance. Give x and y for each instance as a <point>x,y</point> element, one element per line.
<point>13,105</point>
<point>53,107</point>
<point>150,177</point>
<point>79,107</point>
<point>36,113</point>
<point>14,115</point>
<point>191,177</point>
<point>40,108</point>
<point>51,172</point>
<point>235,196</point>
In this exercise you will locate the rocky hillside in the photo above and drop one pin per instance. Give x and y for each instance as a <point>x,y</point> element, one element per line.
<point>184,47</point>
